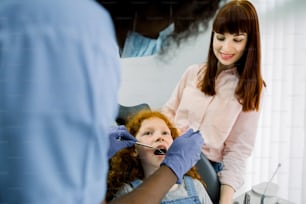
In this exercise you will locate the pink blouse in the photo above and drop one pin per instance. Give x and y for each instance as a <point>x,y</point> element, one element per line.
<point>228,132</point>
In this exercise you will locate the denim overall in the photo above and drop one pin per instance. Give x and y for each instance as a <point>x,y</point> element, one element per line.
<point>191,191</point>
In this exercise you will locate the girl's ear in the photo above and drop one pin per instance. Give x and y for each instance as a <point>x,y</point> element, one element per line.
<point>135,153</point>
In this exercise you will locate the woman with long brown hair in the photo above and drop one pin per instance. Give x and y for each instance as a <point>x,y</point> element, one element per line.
<point>222,97</point>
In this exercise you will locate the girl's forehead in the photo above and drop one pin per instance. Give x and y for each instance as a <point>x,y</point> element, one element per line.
<point>153,121</point>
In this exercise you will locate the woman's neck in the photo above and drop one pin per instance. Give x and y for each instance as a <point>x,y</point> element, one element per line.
<point>222,67</point>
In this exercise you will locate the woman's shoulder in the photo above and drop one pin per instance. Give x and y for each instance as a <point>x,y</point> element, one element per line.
<point>194,71</point>
<point>195,68</point>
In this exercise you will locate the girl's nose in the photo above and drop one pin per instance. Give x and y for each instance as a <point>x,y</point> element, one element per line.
<point>160,138</point>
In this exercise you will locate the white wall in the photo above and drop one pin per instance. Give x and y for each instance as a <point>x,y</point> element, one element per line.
<point>152,79</point>
<point>281,135</point>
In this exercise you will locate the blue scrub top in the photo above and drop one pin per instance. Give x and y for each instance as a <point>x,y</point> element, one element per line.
<point>59,80</point>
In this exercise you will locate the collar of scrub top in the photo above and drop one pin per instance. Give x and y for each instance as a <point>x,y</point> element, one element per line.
<point>137,45</point>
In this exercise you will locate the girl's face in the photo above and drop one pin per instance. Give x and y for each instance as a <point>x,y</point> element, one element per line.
<point>228,48</point>
<point>155,132</point>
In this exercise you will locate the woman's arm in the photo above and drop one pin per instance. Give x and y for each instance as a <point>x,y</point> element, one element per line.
<point>227,193</point>
<point>238,147</point>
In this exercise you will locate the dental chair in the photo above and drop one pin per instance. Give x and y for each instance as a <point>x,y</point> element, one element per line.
<point>126,112</point>
<point>203,166</point>
<point>209,175</point>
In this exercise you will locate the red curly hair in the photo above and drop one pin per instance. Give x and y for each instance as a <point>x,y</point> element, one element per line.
<point>125,166</point>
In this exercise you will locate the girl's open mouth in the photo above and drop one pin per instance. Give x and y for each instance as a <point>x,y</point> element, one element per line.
<point>161,150</point>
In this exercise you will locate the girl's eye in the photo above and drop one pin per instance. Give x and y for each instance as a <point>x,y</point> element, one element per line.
<point>166,133</point>
<point>147,133</point>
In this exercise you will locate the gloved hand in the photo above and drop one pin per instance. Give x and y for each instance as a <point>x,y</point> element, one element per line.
<point>119,138</point>
<point>184,153</point>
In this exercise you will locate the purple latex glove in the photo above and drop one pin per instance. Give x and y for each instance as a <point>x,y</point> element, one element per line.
<point>184,153</point>
<point>119,138</point>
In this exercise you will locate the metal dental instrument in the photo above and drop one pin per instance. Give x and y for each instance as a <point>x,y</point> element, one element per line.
<point>160,152</point>
<point>157,150</point>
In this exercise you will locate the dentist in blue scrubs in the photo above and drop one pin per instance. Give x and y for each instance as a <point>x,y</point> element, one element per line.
<point>59,80</point>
